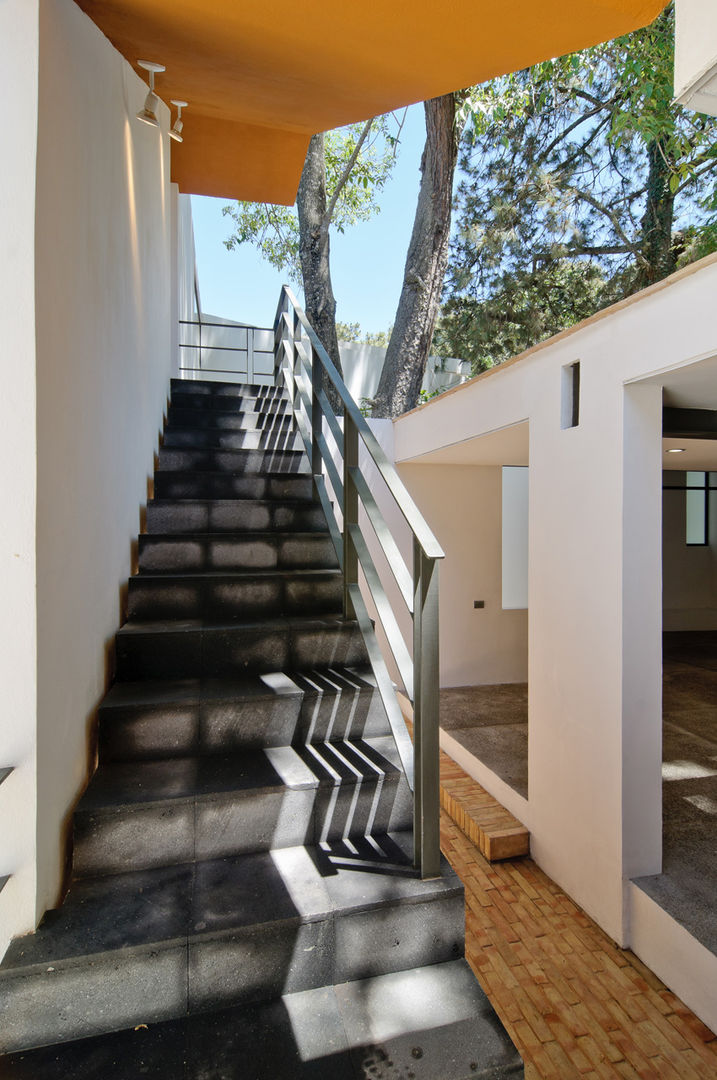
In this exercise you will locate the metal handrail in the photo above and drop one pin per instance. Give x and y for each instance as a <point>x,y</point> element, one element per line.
<point>303,364</point>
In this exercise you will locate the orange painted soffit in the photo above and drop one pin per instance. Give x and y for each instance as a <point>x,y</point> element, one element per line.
<point>262,76</point>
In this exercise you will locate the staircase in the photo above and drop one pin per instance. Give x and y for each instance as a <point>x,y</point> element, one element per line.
<point>242,878</point>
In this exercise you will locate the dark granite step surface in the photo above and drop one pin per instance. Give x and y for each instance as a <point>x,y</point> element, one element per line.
<point>240,595</point>
<point>430,1023</point>
<point>152,945</point>
<point>191,552</point>
<point>142,814</point>
<point>269,436</point>
<point>233,461</point>
<point>253,416</point>
<point>167,516</point>
<point>192,484</point>
<point>185,717</point>
<point>171,649</point>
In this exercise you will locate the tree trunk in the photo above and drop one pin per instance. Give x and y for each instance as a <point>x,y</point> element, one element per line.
<point>407,353</point>
<point>314,254</point>
<point>658,254</point>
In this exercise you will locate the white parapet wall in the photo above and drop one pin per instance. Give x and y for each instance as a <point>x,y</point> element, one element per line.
<point>696,54</point>
<point>595,582</point>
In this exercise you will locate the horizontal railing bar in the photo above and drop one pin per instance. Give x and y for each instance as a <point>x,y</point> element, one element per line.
<point>219,348</point>
<point>330,515</point>
<point>227,326</point>
<point>391,629</point>
<point>390,548</point>
<point>385,687</point>
<point>331,420</point>
<point>336,481</point>
<point>405,503</point>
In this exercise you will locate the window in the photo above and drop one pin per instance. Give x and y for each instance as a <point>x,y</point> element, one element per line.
<point>570,396</point>
<point>696,509</point>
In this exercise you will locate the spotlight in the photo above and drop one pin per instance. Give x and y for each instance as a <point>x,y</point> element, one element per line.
<point>149,113</point>
<point>175,132</point>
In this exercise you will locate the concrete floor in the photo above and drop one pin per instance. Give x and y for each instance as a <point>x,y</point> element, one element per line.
<point>491,722</point>
<point>687,886</point>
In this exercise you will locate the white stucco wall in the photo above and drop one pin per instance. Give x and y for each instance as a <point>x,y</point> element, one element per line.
<point>595,575</point>
<point>696,54</point>
<point>462,505</point>
<point>18,89</point>
<point>103,287</point>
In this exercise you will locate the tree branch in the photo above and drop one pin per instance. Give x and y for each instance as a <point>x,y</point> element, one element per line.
<point>343,179</point>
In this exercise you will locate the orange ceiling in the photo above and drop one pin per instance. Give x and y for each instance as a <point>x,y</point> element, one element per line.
<point>261,76</point>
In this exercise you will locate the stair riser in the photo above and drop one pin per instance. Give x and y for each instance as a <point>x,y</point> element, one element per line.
<point>233,823</point>
<point>247,462</point>
<point>214,420</point>
<point>181,517</point>
<point>198,485</point>
<point>273,438</point>
<point>212,727</point>
<point>178,555</point>
<point>239,402</point>
<point>228,651</point>
<point>146,986</point>
<point>213,387</point>
<point>224,598</point>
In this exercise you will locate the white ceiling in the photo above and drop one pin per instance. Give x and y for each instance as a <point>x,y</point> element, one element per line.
<point>691,387</point>
<point>505,446</point>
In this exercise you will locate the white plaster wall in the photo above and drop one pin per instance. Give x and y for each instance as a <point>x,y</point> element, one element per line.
<point>18,89</point>
<point>689,594</point>
<point>696,54</point>
<point>104,307</point>
<point>595,657</point>
<point>462,505</point>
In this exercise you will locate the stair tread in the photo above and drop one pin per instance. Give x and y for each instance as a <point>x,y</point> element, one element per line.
<point>171,691</point>
<point>329,1033</point>
<point>249,535</point>
<point>136,783</point>
<point>237,575</point>
<point>151,909</point>
<point>276,622</point>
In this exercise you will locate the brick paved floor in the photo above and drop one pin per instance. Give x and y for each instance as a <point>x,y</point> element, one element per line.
<point>575,1004</point>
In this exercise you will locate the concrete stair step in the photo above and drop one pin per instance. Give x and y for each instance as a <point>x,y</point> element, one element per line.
<point>145,814</point>
<point>428,1022</point>
<point>171,649</point>
<point>234,515</point>
<point>193,484</point>
<point>246,462</point>
<point>152,945</point>
<point>245,399</point>
<point>216,388</point>
<point>182,553</point>
<point>246,595</point>
<point>255,415</point>
<point>185,717</point>
<point>271,437</point>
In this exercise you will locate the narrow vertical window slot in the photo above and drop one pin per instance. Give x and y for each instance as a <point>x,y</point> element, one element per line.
<point>570,396</point>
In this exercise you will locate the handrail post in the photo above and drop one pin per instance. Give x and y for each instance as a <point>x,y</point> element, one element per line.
<point>426,805</point>
<point>351,460</point>
<point>316,414</point>
<point>295,360</point>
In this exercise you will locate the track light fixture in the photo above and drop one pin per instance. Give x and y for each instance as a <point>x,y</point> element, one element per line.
<point>175,132</point>
<point>149,113</point>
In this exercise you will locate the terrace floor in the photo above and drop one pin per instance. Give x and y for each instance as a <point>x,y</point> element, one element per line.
<point>576,1006</point>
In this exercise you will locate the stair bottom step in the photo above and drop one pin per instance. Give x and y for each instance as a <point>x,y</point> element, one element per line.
<point>430,1023</point>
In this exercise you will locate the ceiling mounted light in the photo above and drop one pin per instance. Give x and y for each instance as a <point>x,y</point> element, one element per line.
<point>149,113</point>
<point>175,132</point>
<point>675,450</point>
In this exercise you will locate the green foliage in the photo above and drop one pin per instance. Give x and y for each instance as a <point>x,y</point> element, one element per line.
<point>274,230</point>
<point>583,181</point>
<point>352,332</point>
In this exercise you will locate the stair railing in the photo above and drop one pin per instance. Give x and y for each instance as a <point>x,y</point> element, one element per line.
<point>304,366</point>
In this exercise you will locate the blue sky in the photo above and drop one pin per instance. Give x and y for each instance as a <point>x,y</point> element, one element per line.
<point>366,262</point>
